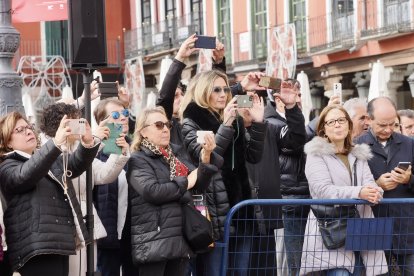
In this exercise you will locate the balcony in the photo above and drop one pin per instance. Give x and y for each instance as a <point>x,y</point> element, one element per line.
<point>60,47</point>
<point>331,33</point>
<point>161,36</point>
<point>395,19</point>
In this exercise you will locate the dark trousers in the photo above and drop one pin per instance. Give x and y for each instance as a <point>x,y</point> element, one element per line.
<point>109,262</point>
<point>176,267</point>
<point>5,268</point>
<point>48,265</point>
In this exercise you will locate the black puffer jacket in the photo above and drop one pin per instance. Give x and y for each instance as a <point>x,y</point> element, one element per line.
<point>292,161</point>
<point>39,218</point>
<point>231,185</point>
<point>156,218</point>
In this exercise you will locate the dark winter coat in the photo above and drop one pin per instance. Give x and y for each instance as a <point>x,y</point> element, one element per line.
<point>231,185</point>
<point>156,201</point>
<point>401,150</point>
<point>291,160</point>
<point>265,175</point>
<point>40,218</point>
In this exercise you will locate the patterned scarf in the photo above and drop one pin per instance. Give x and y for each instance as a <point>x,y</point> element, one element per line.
<point>177,168</point>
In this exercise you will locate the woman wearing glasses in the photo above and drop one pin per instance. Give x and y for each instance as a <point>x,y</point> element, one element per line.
<point>102,172</point>
<point>43,220</point>
<point>111,201</point>
<point>160,177</point>
<point>210,106</point>
<point>331,166</point>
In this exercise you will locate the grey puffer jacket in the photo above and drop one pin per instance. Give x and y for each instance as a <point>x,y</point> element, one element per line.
<point>40,218</point>
<point>156,201</point>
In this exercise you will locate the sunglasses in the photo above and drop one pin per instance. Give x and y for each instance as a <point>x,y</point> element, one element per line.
<point>290,83</point>
<point>115,114</point>
<point>218,89</point>
<point>160,125</point>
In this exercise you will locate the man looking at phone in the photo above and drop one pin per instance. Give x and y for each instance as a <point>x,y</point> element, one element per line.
<point>389,149</point>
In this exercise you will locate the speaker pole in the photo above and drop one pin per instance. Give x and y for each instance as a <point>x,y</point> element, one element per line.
<point>87,79</point>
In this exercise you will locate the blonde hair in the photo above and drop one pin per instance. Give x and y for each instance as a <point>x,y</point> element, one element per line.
<point>199,90</point>
<point>7,125</point>
<point>141,120</point>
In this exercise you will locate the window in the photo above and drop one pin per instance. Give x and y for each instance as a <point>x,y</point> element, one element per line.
<point>259,28</point>
<point>298,17</point>
<point>224,30</point>
<point>342,17</point>
<point>56,38</point>
<point>146,11</point>
<point>396,11</point>
<point>197,14</point>
<point>146,33</point>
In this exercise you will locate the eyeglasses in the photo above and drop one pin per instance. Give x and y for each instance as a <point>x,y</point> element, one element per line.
<point>20,129</point>
<point>340,120</point>
<point>218,89</point>
<point>290,83</point>
<point>160,125</point>
<point>115,114</point>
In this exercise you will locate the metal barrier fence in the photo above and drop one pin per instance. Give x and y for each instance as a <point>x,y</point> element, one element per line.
<point>283,237</point>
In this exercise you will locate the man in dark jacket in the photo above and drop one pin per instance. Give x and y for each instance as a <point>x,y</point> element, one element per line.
<point>264,176</point>
<point>388,149</point>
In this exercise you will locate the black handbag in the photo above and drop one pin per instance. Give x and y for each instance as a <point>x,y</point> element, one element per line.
<point>332,221</point>
<point>197,229</point>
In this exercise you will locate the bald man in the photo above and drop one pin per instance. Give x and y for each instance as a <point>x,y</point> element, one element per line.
<point>388,149</point>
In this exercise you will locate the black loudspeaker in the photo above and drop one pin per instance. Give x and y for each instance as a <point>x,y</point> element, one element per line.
<point>87,35</point>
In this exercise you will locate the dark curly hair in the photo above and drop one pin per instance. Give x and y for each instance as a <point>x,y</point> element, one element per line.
<point>53,114</point>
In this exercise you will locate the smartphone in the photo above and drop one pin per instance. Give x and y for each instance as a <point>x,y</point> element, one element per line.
<point>200,135</point>
<point>110,143</point>
<point>205,42</point>
<point>270,82</point>
<point>245,101</point>
<point>108,89</point>
<point>404,165</point>
<point>77,126</point>
<point>337,90</point>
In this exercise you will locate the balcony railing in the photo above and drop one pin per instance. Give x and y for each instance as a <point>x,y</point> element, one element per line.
<point>60,47</point>
<point>395,18</point>
<point>163,35</point>
<point>331,32</point>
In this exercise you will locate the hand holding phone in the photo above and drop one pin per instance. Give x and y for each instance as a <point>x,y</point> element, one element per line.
<point>115,131</point>
<point>200,135</point>
<point>205,42</point>
<point>404,165</point>
<point>337,91</point>
<point>77,126</point>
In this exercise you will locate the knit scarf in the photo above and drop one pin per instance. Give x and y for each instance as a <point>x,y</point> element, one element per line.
<point>177,168</point>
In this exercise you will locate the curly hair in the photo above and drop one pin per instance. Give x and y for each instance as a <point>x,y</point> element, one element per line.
<point>53,114</point>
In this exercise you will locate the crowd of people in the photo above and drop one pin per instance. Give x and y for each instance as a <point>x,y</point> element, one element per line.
<point>265,151</point>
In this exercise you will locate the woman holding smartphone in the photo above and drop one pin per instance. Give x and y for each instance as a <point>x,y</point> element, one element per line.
<point>209,106</point>
<point>43,219</point>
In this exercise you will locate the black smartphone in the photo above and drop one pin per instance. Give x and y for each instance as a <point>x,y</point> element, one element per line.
<point>205,42</point>
<point>108,89</point>
<point>404,165</point>
<point>245,101</point>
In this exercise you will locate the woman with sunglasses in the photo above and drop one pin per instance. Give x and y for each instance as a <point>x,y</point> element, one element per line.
<point>111,202</point>
<point>102,172</point>
<point>210,106</point>
<point>43,220</point>
<point>160,177</point>
<point>336,169</point>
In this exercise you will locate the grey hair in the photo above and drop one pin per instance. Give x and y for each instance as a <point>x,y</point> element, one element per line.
<point>406,113</point>
<point>351,104</point>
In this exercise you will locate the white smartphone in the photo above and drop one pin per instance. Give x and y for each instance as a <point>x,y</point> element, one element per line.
<point>77,126</point>
<point>201,134</point>
<point>337,90</point>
